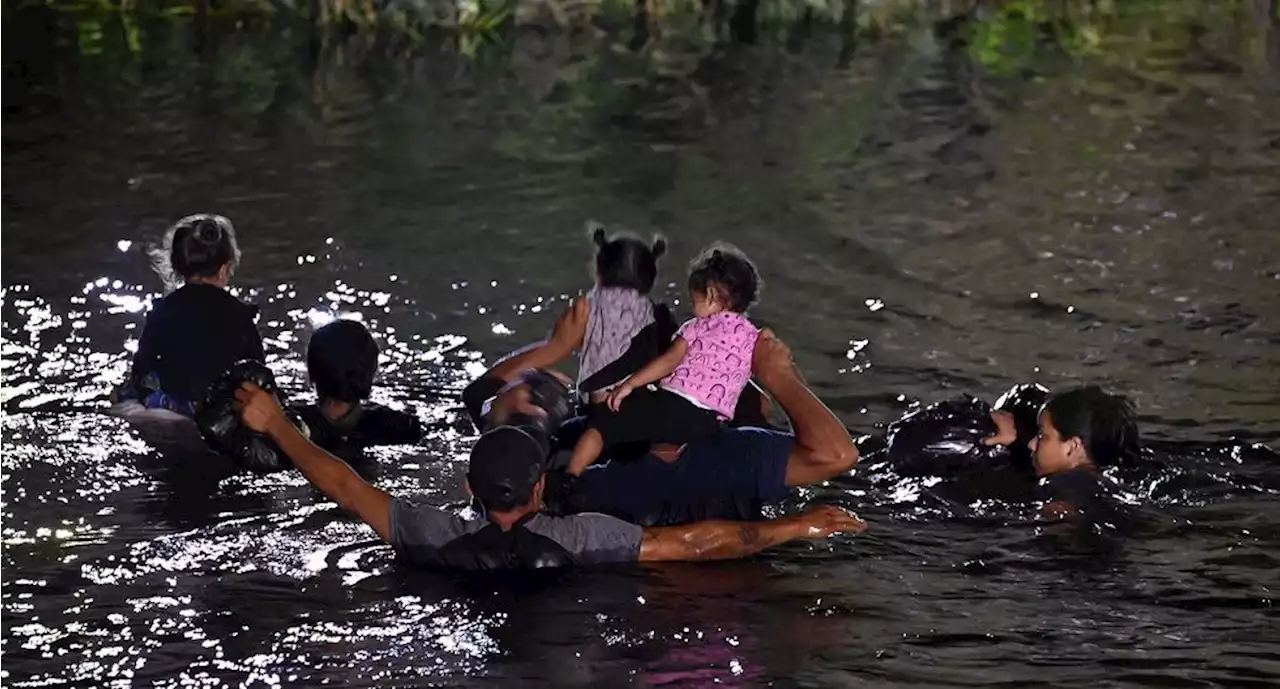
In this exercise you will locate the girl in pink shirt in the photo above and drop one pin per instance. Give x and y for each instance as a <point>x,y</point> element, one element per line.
<point>701,375</point>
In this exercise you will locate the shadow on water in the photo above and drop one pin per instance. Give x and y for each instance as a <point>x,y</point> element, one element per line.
<point>949,204</point>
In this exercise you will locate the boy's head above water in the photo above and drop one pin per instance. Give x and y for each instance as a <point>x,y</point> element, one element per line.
<point>199,248</point>
<point>623,260</point>
<point>342,359</point>
<point>1084,427</point>
<point>722,278</point>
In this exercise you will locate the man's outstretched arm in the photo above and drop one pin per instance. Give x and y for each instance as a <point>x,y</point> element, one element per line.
<point>260,411</point>
<point>724,540</point>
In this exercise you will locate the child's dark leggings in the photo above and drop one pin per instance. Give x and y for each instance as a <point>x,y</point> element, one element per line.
<point>656,417</point>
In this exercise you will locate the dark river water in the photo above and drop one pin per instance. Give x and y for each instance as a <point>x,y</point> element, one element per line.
<point>929,218</point>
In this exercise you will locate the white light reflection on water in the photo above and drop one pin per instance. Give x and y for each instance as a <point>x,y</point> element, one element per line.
<point>403,637</point>
<point>285,544</point>
<point>911,489</point>
<point>179,540</point>
<point>126,303</point>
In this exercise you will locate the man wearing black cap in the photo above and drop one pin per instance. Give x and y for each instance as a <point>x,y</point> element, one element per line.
<point>506,476</point>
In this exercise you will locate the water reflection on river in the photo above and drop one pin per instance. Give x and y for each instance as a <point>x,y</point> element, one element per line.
<point>925,224</point>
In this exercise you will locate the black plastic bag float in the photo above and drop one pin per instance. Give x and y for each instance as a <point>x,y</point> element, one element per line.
<point>947,436</point>
<point>222,429</point>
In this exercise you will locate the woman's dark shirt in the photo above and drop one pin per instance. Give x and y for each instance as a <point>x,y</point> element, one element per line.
<point>191,337</point>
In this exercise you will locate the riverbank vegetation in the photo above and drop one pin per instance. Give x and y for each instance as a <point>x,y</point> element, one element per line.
<point>999,34</point>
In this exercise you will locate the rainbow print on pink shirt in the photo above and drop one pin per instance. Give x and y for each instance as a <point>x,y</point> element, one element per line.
<point>717,364</point>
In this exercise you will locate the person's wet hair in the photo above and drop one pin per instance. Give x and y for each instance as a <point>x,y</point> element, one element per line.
<point>196,246</point>
<point>1106,423</point>
<point>730,270</point>
<point>342,359</point>
<point>624,260</point>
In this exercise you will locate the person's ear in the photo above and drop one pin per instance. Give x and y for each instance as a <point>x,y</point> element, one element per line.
<point>537,490</point>
<point>224,273</point>
<point>474,502</point>
<point>1075,449</point>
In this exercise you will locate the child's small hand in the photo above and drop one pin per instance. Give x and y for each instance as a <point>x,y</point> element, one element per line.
<point>1006,430</point>
<point>619,393</point>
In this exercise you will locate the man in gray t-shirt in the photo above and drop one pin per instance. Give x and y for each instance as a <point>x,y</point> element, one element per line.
<point>505,474</point>
<point>424,535</point>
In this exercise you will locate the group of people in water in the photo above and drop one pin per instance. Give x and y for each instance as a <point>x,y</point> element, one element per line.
<point>662,449</point>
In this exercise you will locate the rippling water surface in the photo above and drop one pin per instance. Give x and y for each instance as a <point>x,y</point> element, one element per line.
<point>928,221</point>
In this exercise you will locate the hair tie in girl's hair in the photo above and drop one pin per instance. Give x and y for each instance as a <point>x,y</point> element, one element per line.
<point>208,231</point>
<point>659,246</point>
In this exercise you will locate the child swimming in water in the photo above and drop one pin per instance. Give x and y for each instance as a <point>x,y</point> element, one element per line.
<point>702,373</point>
<point>1084,428</point>
<point>199,330</point>
<point>1031,443</point>
<point>1079,432</point>
<point>342,360</point>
